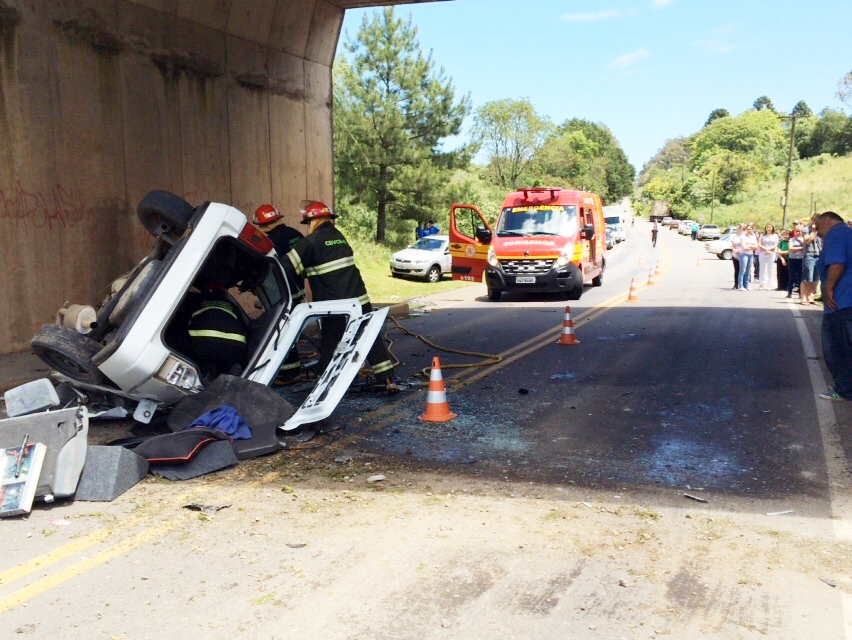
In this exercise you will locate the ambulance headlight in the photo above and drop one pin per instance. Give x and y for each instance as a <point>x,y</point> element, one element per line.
<point>565,255</point>
<point>492,259</point>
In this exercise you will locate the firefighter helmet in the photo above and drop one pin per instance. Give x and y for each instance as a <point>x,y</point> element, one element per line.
<point>312,209</point>
<point>266,214</point>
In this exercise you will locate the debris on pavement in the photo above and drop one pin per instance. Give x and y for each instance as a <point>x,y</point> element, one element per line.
<point>376,478</point>
<point>206,508</point>
<point>696,498</point>
<point>780,513</point>
<point>830,583</point>
<point>343,459</point>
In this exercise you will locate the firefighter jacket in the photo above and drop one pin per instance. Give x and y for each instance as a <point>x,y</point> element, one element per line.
<point>326,259</point>
<point>284,238</point>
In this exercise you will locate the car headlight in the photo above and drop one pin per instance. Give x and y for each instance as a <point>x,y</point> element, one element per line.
<point>178,374</point>
<point>565,255</point>
<point>492,258</point>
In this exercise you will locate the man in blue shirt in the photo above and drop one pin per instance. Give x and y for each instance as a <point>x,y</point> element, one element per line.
<point>835,272</point>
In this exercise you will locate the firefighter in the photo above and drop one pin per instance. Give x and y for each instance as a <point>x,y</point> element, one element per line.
<point>325,258</point>
<point>217,332</point>
<point>283,237</point>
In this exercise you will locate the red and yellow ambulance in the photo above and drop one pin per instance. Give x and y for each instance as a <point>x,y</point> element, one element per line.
<point>546,239</point>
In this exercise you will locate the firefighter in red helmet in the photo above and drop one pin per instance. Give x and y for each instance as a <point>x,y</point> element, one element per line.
<point>325,258</point>
<point>284,237</point>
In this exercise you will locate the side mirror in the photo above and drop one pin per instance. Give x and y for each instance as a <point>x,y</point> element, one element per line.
<point>587,233</point>
<point>483,235</point>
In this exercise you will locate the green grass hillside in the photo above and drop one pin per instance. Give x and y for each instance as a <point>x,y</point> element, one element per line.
<point>825,178</point>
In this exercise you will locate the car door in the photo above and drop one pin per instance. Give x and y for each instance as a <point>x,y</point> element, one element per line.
<point>470,237</point>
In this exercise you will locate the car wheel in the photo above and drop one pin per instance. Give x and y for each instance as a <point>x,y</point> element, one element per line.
<point>494,295</point>
<point>434,274</point>
<point>726,254</point>
<point>68,351</point>
<point>597,280</point>
<point>164,215</point>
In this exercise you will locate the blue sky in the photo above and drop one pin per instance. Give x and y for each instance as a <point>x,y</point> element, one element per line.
<point>648,69</point>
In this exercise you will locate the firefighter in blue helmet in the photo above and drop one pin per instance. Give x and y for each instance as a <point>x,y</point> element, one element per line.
<point>325,258</point>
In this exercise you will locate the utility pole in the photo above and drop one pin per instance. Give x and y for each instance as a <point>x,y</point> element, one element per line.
<point>789,171</point>
<point>713,196</point>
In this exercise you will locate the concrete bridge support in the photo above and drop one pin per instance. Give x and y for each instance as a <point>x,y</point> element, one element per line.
<point>103,100</point>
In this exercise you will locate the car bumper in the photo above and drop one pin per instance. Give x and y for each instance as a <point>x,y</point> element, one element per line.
<point>409,270</point>
<point>561,279</point>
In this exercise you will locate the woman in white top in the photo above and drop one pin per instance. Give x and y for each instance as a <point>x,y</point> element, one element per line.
<point>748,245</point>
<point>768,244</point>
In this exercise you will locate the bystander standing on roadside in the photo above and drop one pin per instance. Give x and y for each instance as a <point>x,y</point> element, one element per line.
<point>781,262</point>
<point>796,252</point>
<point>768,243</point>
<point>736,243</point>
<point>748,245</point>
<point>835,272</point>
<point>419,231</point>
<point>813,246</point>
<point>694,230</point>
<point>654,231</point>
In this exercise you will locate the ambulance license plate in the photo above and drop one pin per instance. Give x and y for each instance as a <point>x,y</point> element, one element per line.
<point>524,279</point>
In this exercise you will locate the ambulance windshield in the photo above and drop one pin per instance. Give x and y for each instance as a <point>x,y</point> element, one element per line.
<point>538,220</point>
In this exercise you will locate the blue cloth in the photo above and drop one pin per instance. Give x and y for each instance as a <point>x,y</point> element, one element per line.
<point>837,249</point>
<point>432,231</point>
<point>224,419</point>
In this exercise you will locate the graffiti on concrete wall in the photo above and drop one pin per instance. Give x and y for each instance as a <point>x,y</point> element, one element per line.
<point>60,208</point>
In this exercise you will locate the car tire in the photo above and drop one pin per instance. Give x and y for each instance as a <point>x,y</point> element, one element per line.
<point>494,295</point>
<point>68,352</point>
<point>727,254</point>
<point>434,274</point>
<point>165,215</point>
<point>597,280</point>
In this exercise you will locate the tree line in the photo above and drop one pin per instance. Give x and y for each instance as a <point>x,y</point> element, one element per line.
<point>730,154</point>
<point>395,109</point>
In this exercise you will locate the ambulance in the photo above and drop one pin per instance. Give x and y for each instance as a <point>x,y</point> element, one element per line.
<point>545,240</point>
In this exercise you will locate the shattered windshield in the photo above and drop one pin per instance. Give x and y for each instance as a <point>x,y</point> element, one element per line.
<point>538,220</point>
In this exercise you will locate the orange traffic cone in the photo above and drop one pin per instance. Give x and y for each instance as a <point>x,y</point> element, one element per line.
<point>567,336</point>
<point>437,407</point>
<point>698,261</point>
<point>651,281</point>
<point>658,270</point>
<point>641,261</point>
<point>633,296</point>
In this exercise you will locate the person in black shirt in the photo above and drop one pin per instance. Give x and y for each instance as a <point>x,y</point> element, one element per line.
<point>325,258</point>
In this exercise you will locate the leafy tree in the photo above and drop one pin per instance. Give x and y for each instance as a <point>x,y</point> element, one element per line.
<point>511,132</point>
<point>844,89</point>
<point>585,155</point>
<point>763,103</point>
<point>673,154</point>
<point>392,110</point>
<point>831,133</point>
<point>801,110</point>
<point>716,114</point>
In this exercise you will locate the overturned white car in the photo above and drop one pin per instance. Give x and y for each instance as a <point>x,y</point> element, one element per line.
<point>134,346</point>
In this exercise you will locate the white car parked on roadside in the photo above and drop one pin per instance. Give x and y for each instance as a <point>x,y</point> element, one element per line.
<point>721,247</point>
<point>428,258</point>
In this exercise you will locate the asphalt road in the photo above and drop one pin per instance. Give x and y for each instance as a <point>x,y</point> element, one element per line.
<point>695,385</point>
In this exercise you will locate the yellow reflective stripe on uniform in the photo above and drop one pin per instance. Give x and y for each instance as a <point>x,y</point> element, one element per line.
<point>290,367</point>
<point>328,267</point>
<point>364,299</point>
<point>221,335</point>
<point>216,308</point>
<point>296,260</point>
<point>386,365</point>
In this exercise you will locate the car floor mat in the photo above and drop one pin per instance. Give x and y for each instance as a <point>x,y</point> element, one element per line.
<point>263,409</point>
